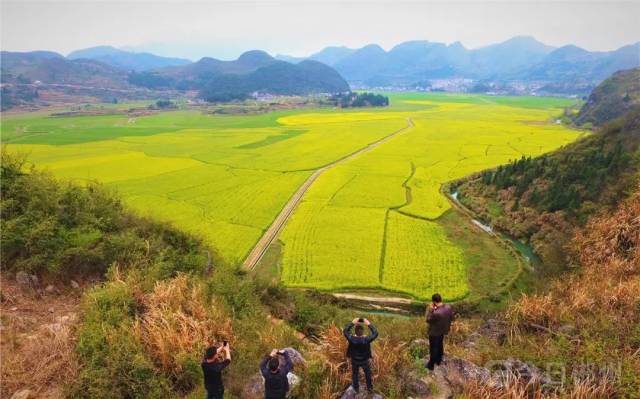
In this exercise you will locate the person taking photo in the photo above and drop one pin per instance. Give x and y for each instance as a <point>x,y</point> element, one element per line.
<point>359,351</point>
<point>276,382</point>
<point>215,360</point>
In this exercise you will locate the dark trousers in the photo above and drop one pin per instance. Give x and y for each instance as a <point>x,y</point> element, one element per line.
<point>436,350</point>
<point>355,374</point>
<point>217,394</point>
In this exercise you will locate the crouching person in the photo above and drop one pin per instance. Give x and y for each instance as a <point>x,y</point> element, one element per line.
<point>276,382</point>
<point>359,351</point>
<point>215,360</point>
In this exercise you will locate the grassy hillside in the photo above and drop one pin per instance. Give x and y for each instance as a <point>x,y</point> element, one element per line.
<point>587,321</point>
<point>541,200</point>
<point>615,96</point>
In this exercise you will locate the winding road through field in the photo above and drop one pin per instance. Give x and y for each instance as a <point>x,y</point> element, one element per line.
<point>280,221</point>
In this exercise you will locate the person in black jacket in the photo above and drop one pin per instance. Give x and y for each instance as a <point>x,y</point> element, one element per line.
<point>212,367</point>
<point>276,383</point>
<point>359,351</point>
<point>439,317</point>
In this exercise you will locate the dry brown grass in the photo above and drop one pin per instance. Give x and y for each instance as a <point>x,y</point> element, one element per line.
<point>41,362</point>
<point>37,346</point>
<point>536,309</point>
<point>608,248</point>
<point>513,388</point>
<point>601,299</point>
<point>178,321</point>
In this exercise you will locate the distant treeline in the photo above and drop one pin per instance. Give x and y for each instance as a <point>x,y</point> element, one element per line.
<point>352,99</point>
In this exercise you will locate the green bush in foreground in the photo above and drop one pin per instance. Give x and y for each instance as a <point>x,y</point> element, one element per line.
<point>113,361</point>
<point>61,228</point>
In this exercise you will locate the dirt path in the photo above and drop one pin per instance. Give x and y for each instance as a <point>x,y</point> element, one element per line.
<point>278,224</point>
<point>386,300</point>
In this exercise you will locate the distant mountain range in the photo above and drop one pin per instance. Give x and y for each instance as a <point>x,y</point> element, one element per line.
<point>521,58</point>
<point>521,65</point>
<point>253,71</point>
<point>53,68</point>
<point>214,80</point>
<point>127,60</point>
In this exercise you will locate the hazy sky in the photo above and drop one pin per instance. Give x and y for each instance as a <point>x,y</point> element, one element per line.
<point>224,29</point>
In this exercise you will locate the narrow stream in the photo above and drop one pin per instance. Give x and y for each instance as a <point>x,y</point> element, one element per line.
<point>525,250</point>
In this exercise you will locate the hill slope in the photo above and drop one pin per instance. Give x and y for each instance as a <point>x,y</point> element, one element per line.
<point>48,67</point>
<point>614,97</point>
<point>125,59</point>
<point>542,200</point>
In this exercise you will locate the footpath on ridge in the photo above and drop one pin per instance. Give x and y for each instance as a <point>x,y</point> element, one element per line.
<point>280,221</point>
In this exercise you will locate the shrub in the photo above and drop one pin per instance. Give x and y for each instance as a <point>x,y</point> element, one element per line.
<point>113,361</point>
<point>59,228</point>
<point>176,325</point>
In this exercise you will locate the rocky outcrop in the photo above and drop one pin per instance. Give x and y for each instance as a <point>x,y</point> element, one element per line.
<point>416,386</point>
<point>350,393</point>
<point>454,373</point>
<point>526,372</point>
<point>492,330</point>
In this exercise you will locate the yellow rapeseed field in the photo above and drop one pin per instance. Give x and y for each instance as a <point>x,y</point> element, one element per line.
<point>370,222</point>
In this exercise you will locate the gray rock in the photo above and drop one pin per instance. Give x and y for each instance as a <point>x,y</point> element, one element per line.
<point>442,389</point>
<point>22,394</point>
<point>457,372</point>
<point>492,330</point>
<point>74,284</point>
<point>23,279</point>
<point>351,393</point>
<point>495,330</point>
<point>416,386</point>
<point>296,357</point>
<point>34,280</point>
<point>528,373</point>
<point>51,289</point>
<point>294,381</point>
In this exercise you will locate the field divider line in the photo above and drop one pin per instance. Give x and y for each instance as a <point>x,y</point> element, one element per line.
<point>408,199</point>
<point>280,221</point>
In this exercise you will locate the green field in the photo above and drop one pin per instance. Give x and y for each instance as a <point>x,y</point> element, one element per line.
<point>371,222</point>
